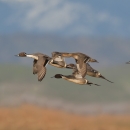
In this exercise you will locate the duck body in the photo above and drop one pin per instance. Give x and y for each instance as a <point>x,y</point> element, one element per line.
<point>39,64</point>
<point>75,77</point>
<point>72,78</point>
<point>90,71</point>
<point>57,60</point>
<point>80,60</point>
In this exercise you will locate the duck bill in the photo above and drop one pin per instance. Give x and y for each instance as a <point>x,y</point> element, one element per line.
<point>17,55</point>
<point>93,60</point>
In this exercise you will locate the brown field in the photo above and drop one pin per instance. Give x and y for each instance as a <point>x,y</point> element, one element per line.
<point>29,117</point>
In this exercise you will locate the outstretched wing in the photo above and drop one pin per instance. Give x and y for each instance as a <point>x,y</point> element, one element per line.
<point>83,69</point>
<point>76,73</point>
<point>34,66</point>
<point>41,67</point>
<point>90,69</point>
<point>41,73</point>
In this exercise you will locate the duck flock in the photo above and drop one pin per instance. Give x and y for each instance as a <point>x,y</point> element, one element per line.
<point>81,68</point>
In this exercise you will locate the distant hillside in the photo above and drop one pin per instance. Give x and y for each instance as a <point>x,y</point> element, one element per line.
<point>107,50</point>
<point>19,80</point>
<point>18,85</point>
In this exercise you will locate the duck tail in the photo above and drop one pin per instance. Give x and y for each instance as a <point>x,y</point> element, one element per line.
<point>105,79</point>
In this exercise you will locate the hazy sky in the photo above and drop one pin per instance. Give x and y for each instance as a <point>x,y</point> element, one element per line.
<point>66,17</point>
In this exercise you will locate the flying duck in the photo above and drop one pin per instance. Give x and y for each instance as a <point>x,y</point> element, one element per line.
<point>39,64</point>
<point>90,71</point>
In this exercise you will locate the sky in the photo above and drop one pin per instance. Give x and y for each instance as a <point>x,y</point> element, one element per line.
<point>66,17</point>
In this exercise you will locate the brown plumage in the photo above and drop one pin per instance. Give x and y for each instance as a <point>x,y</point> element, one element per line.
<point>39,67</point>
<point>57,60</point>
<point>39,64</point>
<point>82,71</point>
<point>75,78</point>
<point>80,60</point>
<point>78,55</point>
<point>90,71</point>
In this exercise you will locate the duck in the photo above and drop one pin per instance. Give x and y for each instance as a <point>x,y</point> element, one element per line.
<point>80,60</point>
<point>75,77</point>
<point>90,71</point>
<point>39,64</point>
<point>57,60</point>
<point>128,62</point>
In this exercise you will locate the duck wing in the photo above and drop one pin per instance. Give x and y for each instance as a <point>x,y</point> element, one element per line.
<point>90,69</point>
<point>41,72</point>
<point>82,68</point>
<point>76,73</point>
<point>41,67</point>
<point>34,66</point>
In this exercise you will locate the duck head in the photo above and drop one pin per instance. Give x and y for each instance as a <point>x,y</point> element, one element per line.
<point>22,54</point>
<point>58,76</point>
<point>71,66</point>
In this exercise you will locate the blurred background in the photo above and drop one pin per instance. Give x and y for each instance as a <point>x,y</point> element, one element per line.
<point>100,29</point>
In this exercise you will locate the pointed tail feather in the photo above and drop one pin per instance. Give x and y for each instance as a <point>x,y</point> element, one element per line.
<point>105,79</point>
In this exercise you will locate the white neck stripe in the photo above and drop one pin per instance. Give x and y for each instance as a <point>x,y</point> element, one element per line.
<point>32,56</point>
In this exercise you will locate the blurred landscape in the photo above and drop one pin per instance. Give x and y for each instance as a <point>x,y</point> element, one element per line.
<point>18,81</point>
<point>56,103</point>
<point>20,92</point>
<point>100,29</point>
<point>27,104</point>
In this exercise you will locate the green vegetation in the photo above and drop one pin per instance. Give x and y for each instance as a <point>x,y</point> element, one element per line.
<point>18,80</point>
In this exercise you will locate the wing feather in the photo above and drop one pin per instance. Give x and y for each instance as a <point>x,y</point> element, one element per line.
<point>90,69</point>
<point>34,66</point>
<point>41,67</point>
<point>41,73</point>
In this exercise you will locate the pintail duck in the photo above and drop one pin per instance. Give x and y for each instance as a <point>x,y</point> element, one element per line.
<point>128,62</point>
<point>39,64</point>
<point>57,60</point>
<point>76,77</point>
<point>81,60</point>
<point>90,71</point>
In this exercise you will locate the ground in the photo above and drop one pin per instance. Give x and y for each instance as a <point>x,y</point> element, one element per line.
<point>30,117</point>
